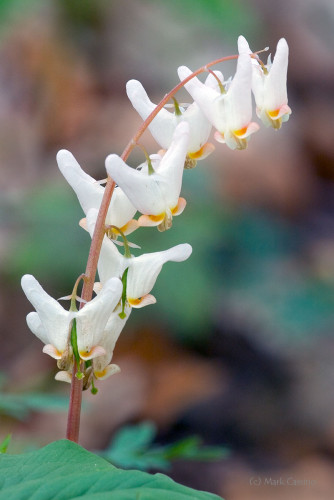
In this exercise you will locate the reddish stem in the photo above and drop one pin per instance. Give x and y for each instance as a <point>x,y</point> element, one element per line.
<point>73,421</point>
<point>74,411</point>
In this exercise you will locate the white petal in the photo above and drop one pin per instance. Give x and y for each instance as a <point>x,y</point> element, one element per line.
<point>145,300</point>
<point>211,81</point>
<point>111,263</point>
<point>64,377</point>
<point>89,193</point>
<point>243,46</point>
<point>120,210</point>
<point>275,83</point>
<point>93,317</point>
<point>35,325</point>
<point>172,165</point>
<point>163,125</point>
<point>144,270</point>
<point>143,190</point>
<point>110,336</point>
<point>208,99</point>
<point>238,97</point>
<point>53,317</point>
<point>107,372</point>
<point>51,351</point>
<point>199,125</point>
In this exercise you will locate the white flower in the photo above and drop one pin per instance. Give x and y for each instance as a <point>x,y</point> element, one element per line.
<point>51,323</point>
<point>269,85</point>
<point>142,271</point>
<point>230,112</point>
<point>90,194</point>
<point>102,368</point>
<point>156,195</point>
<point>163,125</point>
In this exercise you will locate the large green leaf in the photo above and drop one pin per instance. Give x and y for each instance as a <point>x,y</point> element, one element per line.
<point>65,471</point>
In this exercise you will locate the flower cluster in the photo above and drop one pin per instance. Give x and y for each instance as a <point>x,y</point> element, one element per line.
<point>87,336</point>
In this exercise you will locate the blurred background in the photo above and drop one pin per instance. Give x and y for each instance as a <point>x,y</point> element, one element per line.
<point>239,348</point>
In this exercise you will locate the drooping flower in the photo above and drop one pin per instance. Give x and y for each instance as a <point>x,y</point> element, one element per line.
<point>163,125</point>
<point>52,324</point>
<point>101,367</point>
<point>155,193</point>
<point>269,84</point>
<point>141,272</point>
<point>90,193</point>
<point>230,112</point>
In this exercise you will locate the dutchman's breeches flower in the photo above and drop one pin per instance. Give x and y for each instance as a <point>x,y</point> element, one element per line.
<point>229,112</point>
<point>163,126</point>
<point>141,272</point>
<point>52,324</point>
<point>269,85</point>
<point>155,193</point>
<point>90,193</point>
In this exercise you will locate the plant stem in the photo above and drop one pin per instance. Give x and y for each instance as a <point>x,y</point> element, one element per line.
<point>73,421</point>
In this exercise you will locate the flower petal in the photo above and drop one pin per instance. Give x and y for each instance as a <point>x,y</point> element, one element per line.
<point>35,325</point>
<point>52,351</point>
<point>89,193</point>
<point>107,372</point>
<point>163,125</point>
<point>93,317</point>
<point>144,270</point>
<point>275,83</point>
<point>53,317</point>
<point>111,263</point>
<point>64,376</point>
<point>207,98</point>
<point>238,97</point>
<point>146,300</point>
<point>142,189</point>
<point>110,336</point>
<point>156,193</point>
<point>150,220</point>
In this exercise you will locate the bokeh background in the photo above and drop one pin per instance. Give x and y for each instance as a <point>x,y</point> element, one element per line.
<point>240,346</point>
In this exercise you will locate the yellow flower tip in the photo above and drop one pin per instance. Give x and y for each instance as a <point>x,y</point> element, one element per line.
<point>181,205</point>
<point>134,302</point>
<point>274,113</point>
<point>241,132</point>
<point>203,152</point>
<point>52,351</point>
<point>157,218</point>
<point>107,372</point>
<point>150,220</point>
<point>142,301</point>
<point>93,353</point>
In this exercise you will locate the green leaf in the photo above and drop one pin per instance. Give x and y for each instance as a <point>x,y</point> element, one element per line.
<point>191,448</point>
<point>132,447</point>
<point>20,406</point>
<point>63,470</point>
<point>5,443</point>
<point>134,437</point>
